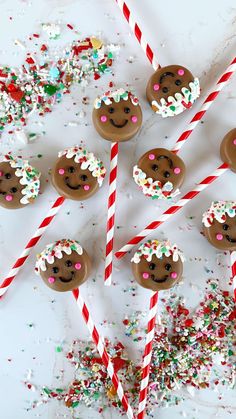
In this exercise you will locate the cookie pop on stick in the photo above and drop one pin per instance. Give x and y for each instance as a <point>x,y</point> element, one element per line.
<point>64,266</point>
<point>117,117</point>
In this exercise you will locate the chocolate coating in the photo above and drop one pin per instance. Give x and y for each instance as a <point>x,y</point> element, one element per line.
<point>66,276</point>
<point>159,271</point>
<point>227,230</point>
<point>10,187</point>
<point>122,119</point>
<point>163,167</point>
<point>228,149</point>
<point>75,183</point>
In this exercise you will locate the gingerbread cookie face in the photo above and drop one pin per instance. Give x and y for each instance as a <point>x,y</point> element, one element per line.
<point>159,173</point>
<point>157,265</point>
<point>228,149</point>
<point>171,90</point>
<point>19,182</point>
<point>77,174</point>
<point>117,115</point>
<point>63,265</point>
<point>219,225</point>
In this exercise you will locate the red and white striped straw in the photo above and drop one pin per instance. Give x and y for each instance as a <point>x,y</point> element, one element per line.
<point>147,355</point>
<point>138,33</point>
<point>111,213</point>
<point>233,269</point>
<point>30,245</point>
<point>172,210</point>
<point>224,79</point>
<point>98,340</point>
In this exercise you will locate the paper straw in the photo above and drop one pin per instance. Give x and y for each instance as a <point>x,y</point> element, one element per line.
<point>233,269</point>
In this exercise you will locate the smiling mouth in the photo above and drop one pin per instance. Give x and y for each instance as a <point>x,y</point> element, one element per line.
<point>118,125</point>
<point>75,188</point>
<point>67,279</point>
<point>230,239</point>
<point>159,280</point>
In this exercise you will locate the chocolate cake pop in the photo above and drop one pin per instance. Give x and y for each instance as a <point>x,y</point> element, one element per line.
<point>228,149</point>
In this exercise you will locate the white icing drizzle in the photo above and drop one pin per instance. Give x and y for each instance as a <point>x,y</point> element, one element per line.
<point>159,249</point>
<point>117,96</point>
<point>218,211</point>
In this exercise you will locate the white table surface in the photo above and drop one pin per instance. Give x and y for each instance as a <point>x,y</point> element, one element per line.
<point>199,35</point>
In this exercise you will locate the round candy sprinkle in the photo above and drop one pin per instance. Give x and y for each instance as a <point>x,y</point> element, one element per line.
<point>180,72</point>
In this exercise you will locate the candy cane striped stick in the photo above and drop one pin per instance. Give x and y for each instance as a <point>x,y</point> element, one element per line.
<point>233,268</point>
<point>98,340</point>
<point>138,33</point>
<point>172,210</point>
<point>224,79</point>
<point>31,244</point>
<point>111,213</point>
<point>147,355</point>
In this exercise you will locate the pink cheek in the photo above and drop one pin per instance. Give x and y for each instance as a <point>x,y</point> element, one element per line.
<point>51,279</point>
<point>145,275</point>
<point>151,156</point>
<point>61,171</point>
<point>9,198</point>
<point>173,275</point>
<point>219,236</point>
<point>180,72</point>
<point>103,118</point>
<point>234,143</point>
<point>1,173</point>
<point>134,119</point>
<point>156,87</point>
<point>177,170</point>
<point>86,187</point>
<point>78,266</point>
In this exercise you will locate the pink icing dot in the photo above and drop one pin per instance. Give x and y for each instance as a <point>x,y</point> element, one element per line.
<point>134,119</point>
<point>177,170</point>
<point>156,87</point>
<point>145,275</point>
<point>219,236</point>
<point>103,118</point>
<point>180,72</point>
<point>51,279</point>
<point>1,173</point>
<point>9,198</point>
<point>78,266</point>
<point>151,156</point>
<point>61,171</point>
<point>173,275</point>
<point>86,187</point>
<point>234,142</point>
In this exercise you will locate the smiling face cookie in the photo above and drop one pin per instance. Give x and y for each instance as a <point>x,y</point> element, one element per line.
<point>171,90</point>
<point>159,173</point>
<point>77,174</point>
<point>219,225</point>
<point>117,115</point>
<point>157,265</point>
<point>19,182</point>
<point>63,265</point>
<point>228,149</point>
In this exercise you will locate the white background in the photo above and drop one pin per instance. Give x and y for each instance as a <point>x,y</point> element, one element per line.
<point>199,35</point>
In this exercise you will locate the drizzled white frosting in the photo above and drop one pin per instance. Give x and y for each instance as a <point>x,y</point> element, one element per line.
<point>117,96</point>
<point>159,249</point>
<point>218,211</point>
<point>177,104</point>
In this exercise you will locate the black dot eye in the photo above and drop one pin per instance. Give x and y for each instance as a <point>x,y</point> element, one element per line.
<point>155,167</point>
<point>55,270</point>
<point>13,190</point>
<point>83,177</point>
<point>8,175</point>
<point>178,82</point>
<point>225,227</point>
<point>152,266</point>
<point>126,110</point>
<point>165,89</point>
<point>168,267</point>
<point>111,110</point>
<point>71,169</point>
<point>68,263</point>
<point>166,174</point>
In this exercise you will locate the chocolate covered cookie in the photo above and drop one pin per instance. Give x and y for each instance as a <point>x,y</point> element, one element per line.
<point>77,174</point>
<point>219,225</point>
<point>117,115</point>
<point>19,182</point>
<point>157,265</point>
<point>63,265</point>
<point>228,149</point>
<point>159,173</point>
<point>171,90</point>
